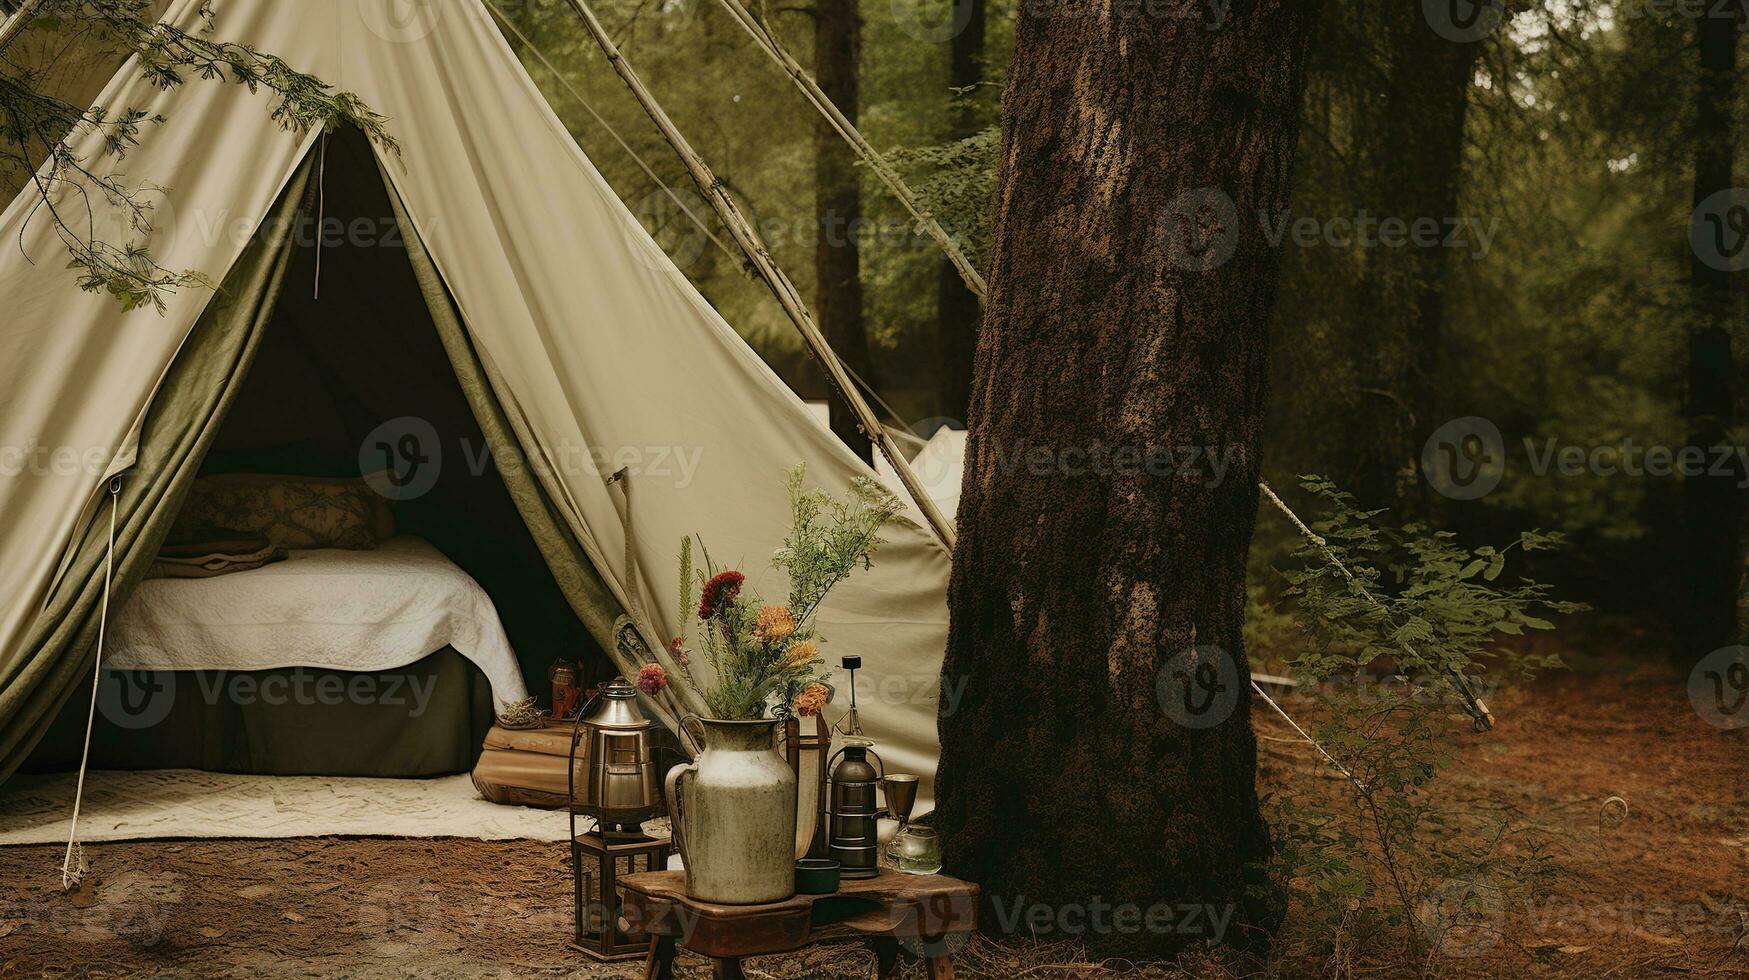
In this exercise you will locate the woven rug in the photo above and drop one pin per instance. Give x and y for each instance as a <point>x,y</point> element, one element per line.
<point>188,803</point>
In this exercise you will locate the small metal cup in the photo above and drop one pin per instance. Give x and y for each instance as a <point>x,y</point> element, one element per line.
<point>900,790</point>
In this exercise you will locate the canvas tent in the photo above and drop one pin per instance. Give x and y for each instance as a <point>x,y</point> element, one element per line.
<point>574,339</point>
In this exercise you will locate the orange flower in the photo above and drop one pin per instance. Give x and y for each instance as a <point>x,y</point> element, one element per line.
<point>812,700</point>
<point>799,654</point>
<point>774,625</point>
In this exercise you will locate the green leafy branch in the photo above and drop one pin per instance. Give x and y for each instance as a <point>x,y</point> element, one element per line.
<point>1420,608</point>
<point>41,130</point>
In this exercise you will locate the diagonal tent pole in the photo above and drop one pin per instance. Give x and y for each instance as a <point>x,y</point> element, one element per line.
<point>14,25</point>
<point>759,257</point>
<point>847,129</point>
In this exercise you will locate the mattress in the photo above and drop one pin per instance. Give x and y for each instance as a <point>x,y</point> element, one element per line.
<point>326,608</point>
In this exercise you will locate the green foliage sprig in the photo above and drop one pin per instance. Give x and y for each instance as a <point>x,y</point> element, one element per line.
<point>763,657</point>
<point>39,131</point>
<point>1420,609</point>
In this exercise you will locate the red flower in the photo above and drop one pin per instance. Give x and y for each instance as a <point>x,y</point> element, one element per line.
<point>718,592</point>
<point>652,678</point>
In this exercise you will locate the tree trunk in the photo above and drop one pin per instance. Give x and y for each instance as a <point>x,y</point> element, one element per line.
<point>1712,501</point>
<point>1419,167</point>
<point>957,308</point>
<point>1100,765</point>
<point>838,209</point>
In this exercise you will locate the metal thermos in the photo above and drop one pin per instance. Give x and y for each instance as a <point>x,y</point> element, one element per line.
<point>613,778</point>
<point>853,811</point>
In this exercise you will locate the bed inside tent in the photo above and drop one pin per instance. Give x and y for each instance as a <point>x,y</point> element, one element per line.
<point>429,605</point>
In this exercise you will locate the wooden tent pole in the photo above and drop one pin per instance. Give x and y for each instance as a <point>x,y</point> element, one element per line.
<point>14,25</point>
<point>759,257</point>
<point>853,136</point>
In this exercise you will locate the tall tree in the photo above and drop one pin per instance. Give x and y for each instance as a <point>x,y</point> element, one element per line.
<point>1418,162</point>
<point>1713,501</point>
<point>957,308</point>
<point>1102,753</point>
<point>838,208</point>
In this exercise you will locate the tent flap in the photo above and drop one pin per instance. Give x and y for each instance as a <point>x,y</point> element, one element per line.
<point>54,654</point>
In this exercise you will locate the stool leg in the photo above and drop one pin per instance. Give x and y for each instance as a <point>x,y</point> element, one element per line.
<point>938,961</point>
<point>727,968</point>
<point>659,961</point>
<point>886,950</point>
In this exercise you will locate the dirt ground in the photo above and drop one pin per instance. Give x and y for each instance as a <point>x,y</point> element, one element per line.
<point>1645,806</point>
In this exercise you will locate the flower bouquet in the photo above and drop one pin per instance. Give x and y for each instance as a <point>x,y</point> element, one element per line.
<point>734,807</point>
<point>764,657</point>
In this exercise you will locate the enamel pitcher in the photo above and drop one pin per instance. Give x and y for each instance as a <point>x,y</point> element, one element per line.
<point>734,814</point>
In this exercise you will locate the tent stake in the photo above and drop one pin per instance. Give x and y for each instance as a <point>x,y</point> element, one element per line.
<point>759,257</point>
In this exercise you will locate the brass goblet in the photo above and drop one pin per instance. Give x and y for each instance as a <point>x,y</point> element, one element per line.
<point>900,789</point>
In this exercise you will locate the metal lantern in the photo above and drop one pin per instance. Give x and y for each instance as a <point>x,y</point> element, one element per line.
<point>612,776</point>
<point>854,813</point>
<point>853,816</point>
<point>613,780</point>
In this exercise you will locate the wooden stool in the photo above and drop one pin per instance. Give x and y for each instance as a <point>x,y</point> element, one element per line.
<point>882,911</point>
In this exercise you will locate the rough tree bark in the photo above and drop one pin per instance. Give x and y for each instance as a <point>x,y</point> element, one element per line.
<point>1419,166</point>
<point>838,208</point>
<point>1097,595</point>
<point>957,308</point>
<point>1712,502</point>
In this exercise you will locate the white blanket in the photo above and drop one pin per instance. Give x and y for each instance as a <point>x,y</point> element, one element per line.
<point>341,610</point>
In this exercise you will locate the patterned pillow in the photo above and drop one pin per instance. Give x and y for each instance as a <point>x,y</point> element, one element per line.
<point>293,511</point>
